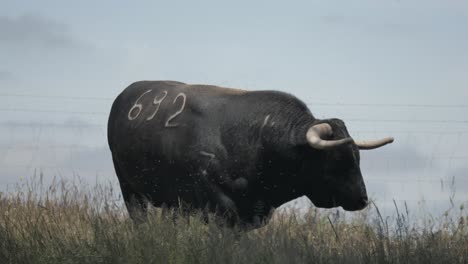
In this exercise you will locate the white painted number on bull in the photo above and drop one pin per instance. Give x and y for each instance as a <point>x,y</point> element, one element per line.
<point>157,102</point>
<point>168,122</point>
<point>136,106</point>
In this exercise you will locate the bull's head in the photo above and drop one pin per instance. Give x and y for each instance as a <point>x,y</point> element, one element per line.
<point>339,182</point>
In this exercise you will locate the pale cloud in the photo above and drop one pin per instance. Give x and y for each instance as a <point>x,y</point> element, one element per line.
<point>6,75</point>
<point>35,31</point>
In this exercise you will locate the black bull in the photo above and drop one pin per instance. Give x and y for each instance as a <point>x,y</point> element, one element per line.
<point>234,152</point>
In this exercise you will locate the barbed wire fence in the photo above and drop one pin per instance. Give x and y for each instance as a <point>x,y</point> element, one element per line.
<point>59,147</point>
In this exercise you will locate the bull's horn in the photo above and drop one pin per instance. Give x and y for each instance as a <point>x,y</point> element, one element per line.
<point>316,132</point>
<point>372,144</point>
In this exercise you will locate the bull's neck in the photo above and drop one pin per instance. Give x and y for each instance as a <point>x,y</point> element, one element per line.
<point>286,132</point>
<point>283,146</point>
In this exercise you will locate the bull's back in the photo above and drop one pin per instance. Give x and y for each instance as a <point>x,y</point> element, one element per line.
<point>166,112</point>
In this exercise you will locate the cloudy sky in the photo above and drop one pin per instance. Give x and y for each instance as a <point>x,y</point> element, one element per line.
<point>385,67</point>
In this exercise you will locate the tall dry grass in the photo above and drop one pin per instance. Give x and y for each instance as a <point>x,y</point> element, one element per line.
<point>68,222</point>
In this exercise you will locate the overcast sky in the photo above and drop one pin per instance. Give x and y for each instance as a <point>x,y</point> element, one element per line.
<point>338,56</point>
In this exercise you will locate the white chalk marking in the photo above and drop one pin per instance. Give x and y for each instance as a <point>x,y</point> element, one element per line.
<point>184,97</point>
<point>157,102</point>
<point>137,106</point>
<point>266,121</point>
<point>211,155</point>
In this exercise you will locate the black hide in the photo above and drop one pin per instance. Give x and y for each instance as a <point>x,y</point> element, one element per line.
<point>234,152</point>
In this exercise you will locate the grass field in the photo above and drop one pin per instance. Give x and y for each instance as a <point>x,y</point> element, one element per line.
<point>75,223</point>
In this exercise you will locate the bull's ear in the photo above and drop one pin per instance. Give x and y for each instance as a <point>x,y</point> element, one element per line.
<point>317,132</point>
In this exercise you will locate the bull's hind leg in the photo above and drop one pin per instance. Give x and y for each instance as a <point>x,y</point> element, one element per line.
<point>137,205</point>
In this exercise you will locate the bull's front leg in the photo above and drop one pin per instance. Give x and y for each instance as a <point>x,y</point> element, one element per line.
<point>223,190</point>
<point>218,197</point>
